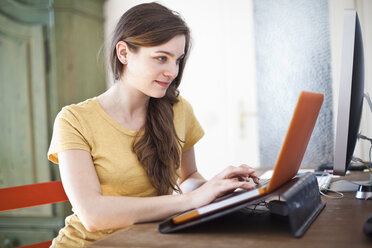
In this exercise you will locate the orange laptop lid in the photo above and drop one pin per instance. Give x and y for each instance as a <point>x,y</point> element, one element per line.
<point>296,140</point>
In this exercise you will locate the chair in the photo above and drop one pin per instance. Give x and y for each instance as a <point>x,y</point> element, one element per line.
<point>32,195</point>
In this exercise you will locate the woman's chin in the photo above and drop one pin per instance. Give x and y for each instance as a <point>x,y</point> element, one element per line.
<point>159,94</point>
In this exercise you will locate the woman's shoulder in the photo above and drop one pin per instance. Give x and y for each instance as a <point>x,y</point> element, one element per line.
<point>182,101</point>
<point>182,105</point>
<point>76,110</point>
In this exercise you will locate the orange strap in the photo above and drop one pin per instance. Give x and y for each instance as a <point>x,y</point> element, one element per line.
<point>32,195</point>
<point>45,244</point>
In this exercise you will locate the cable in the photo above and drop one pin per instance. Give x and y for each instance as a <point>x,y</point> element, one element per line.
<point>252,209</point>
<point>364,163</point>
<point>340,195</point>
<point>361,136</point>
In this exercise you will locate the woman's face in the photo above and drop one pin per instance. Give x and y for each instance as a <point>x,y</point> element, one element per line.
<point>151,70</point>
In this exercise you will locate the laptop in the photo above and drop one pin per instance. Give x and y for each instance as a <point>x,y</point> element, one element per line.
<point>287,164</point>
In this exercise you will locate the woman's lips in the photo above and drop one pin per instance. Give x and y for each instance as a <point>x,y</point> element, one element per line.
<point>163,84</point>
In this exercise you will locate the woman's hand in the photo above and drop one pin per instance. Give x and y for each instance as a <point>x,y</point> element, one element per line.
<point>226,181</point>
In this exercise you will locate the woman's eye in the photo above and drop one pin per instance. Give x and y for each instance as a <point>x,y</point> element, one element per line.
<point>162,59</point>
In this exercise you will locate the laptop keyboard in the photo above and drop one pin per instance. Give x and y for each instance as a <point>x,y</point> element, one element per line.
<point>263,183</point>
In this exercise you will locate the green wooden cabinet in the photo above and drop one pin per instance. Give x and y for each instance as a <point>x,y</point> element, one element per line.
<point>50,56</point>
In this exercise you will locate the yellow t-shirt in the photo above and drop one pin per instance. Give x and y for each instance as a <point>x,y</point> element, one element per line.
<point>88,127</point>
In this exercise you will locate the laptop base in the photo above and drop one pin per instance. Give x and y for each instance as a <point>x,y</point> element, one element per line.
<point>300,205</point>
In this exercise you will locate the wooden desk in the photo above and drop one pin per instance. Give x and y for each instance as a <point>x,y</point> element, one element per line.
<point>338,225</point>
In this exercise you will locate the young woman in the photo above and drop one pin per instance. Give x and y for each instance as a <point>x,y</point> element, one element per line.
<point>122,154</point>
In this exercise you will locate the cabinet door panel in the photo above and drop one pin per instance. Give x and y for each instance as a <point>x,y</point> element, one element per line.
<point>80,73</point>
<point>23,119</point>
<point>18,237</point>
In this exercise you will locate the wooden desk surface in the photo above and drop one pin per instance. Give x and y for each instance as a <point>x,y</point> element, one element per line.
<point>339,225</point>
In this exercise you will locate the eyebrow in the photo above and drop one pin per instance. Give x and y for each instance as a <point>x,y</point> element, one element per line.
<point>169,53</point>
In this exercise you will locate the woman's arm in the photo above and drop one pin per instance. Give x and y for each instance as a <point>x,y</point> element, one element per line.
<point>99,212</point>
<point>190,178</point>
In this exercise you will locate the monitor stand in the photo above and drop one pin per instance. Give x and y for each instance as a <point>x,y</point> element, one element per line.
<point>363,189</point>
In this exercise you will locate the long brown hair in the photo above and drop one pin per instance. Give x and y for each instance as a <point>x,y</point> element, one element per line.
<point>159,148</point>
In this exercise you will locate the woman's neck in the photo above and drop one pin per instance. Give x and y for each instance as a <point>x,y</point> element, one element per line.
<point>126,106</point>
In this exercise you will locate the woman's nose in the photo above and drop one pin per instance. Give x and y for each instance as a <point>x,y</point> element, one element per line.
<point>171,71</point>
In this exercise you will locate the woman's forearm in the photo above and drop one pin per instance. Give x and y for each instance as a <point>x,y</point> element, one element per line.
<point>106,209</point>
<point>110,212</point>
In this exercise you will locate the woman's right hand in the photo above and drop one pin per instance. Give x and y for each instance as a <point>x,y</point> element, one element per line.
<point>226,181</point>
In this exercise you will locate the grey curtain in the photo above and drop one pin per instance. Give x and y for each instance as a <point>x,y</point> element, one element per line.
<point>292,40</point>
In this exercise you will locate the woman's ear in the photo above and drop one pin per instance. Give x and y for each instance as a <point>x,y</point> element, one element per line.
<point>121,52</point>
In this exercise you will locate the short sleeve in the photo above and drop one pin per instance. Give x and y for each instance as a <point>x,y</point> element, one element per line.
<point>194,131</point>
<point>68,133</point>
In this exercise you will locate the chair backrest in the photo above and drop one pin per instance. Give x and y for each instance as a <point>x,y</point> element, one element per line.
<point>32,195</point>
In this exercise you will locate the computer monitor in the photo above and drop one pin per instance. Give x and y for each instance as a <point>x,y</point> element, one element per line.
<point>351,92</point>
<point>350,102</point>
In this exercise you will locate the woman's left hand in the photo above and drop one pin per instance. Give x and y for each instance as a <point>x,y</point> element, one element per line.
<point>228,180</point>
